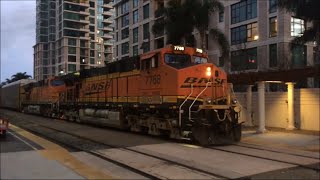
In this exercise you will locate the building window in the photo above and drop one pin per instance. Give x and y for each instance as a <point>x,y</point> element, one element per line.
<point>92,12</point>
<point>245,59</point>
<point>146,46</point>
<point>159,43</point>
<point>135,33</point>
<point>146,32</point>
<point>125,33</point>
<point>124,48</point>
<point>299,56</point>
<point>273,55</point>
<point>125,7</point>
<point>221,14</point>
<point>146,11</point>
<point>135,16</point>
<point>125,20</point>
<point>273,27</point>
<point>72,67</point>
<point>135,50</point>
<point>297,26</point>
<point>273,6</point>
<point>92,61</point>
<point>245,33</point>
<point>135,3</point>
<point>72,58</point>
<point>72,50</point>
<point>244,10</point>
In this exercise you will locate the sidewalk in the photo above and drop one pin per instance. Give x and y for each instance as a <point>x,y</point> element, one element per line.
<point>281,138</point>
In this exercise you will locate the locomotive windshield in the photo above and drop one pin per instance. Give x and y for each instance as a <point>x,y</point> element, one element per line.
<point>57,82</point>
<point>180,61</point>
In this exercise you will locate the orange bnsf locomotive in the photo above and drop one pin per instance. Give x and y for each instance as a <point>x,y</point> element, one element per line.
<point>171,91</point>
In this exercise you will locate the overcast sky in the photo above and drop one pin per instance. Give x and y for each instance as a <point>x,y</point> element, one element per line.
<point>17,36</point>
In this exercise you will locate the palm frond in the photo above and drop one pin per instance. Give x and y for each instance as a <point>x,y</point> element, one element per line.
<point>223,42</point>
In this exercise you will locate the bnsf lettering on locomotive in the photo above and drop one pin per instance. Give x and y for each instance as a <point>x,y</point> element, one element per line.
<point>191,80</point>
<point>195,80</point>
<point>98,87</point>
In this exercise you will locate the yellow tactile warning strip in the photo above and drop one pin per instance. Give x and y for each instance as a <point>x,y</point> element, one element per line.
<point>58,153</point>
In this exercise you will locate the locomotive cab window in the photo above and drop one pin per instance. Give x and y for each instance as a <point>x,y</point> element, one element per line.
<point>149,63</point>
<point>57,82</point>
<point>199,60</point>
<point>178,61</point>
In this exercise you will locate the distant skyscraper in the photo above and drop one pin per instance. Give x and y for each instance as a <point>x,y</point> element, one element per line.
<point>72,35</point>
<point>133,24</point>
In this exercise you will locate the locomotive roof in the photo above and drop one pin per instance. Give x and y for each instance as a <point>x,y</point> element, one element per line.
<point>123,65</point>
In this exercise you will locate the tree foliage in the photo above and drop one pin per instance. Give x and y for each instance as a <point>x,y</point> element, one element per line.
<point>16,77</point>
<point>181,18</point>
<point>308,10</point>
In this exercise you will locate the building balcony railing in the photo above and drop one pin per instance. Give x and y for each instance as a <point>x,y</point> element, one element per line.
<point>78,12</point>
<point>108,42</point>
<point>108,51</point>
<point>78,2</point>
<point>107,14</point>
<point>107,7</point>
<point>77,29</point>
<point>107,21</point>
<point>107,29</point>
<point>107,36</point>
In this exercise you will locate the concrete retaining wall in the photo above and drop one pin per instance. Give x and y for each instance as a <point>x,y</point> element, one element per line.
<point>306,108</point>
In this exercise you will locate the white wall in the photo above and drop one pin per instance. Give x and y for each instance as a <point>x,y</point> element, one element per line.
<point>306,107</point>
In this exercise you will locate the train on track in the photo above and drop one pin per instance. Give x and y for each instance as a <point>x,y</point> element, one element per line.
<point>170,91</point>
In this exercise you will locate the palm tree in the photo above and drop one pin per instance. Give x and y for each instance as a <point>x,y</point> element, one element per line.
<point>180,21</point>
<point>18,76</point>
<point>308,10</point>
<point>176,20</point>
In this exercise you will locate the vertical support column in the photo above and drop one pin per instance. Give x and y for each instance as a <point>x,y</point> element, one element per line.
<point>249,105</point>
<point>261,105</point>
<point>290,125</point>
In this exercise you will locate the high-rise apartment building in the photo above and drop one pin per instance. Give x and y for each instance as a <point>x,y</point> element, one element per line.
<point>133,24</point>
<point>258,32</point>
<point>72,35</point>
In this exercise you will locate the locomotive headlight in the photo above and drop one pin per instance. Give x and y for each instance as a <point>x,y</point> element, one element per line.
<point>208,101</point>
<point>234,101</point>
<point>208,73</point>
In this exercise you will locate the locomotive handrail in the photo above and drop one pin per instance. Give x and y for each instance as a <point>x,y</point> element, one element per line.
<point>197,99</point>
<point>183,104</point>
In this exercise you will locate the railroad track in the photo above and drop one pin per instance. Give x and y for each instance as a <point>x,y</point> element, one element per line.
<point>275,157</point>
<point>119,163</point>
<point>241,150</point>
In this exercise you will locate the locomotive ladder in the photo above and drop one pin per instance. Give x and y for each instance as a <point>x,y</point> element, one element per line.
<point>190,119</point>
<point>180,111</point>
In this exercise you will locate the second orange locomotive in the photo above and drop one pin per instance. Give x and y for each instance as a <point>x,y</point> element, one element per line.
<point>173,91</point>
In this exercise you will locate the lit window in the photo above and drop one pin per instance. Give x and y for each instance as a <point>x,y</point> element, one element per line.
<point>245,33</point>
<point>273,27</point>
<point>297,26</point>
